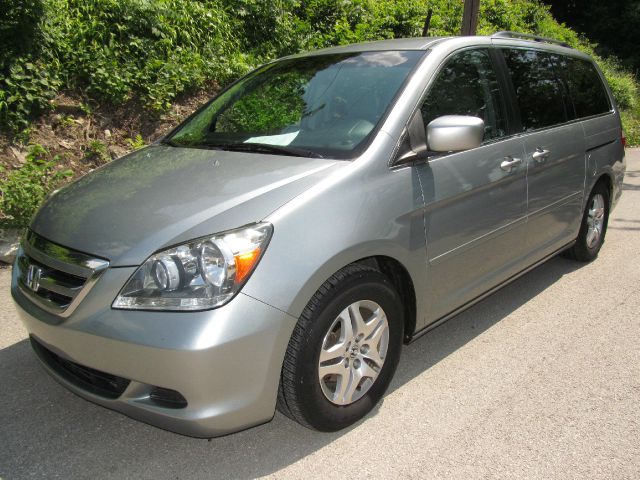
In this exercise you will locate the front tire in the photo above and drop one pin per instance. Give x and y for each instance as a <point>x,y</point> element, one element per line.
<point>594,226</point>
<point>344,350</point>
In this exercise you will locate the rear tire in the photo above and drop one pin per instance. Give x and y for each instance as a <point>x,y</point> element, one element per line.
<point>344,350</point>
<point>594,226</point>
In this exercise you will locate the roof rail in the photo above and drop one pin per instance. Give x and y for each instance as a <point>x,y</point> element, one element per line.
<point>527,36</point>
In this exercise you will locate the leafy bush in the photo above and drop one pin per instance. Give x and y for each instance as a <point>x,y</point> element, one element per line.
<point>631,125</point>
<point>112,50</point>
<point>136,142</point>
<point>118,49</point>
<point>96,151</point>
<point>323,23</point>
<point>268,29</point>
<point>26,91</point>
<point>149,51</point>
<point>28,77</point>
<point>23,189</point>
<point>623,85</point>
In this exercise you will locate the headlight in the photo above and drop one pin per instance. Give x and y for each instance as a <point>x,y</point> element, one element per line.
<point>198,275</point>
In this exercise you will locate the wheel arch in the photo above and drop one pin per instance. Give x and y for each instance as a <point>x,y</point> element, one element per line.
<point>606,180</point>
<point>403,283</point>
<point>401,267</point>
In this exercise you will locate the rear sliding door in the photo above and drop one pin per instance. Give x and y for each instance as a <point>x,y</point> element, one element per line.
<point>555,149</point>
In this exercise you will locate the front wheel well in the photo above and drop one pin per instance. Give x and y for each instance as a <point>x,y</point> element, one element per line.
<point>401,280</point>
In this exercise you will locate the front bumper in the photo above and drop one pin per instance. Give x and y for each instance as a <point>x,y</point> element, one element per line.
<point>225,362</point>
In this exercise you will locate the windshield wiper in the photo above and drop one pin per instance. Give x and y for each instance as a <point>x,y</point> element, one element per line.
<point>268,148</point>
<point>310,113</point>
<point>209,146</point>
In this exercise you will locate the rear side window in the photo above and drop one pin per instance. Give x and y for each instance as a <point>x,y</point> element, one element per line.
<point>467,85</point>
<point>585,87</point>
<point>538,90</point>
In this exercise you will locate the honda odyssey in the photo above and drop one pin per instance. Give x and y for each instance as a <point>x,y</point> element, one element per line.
<point>278,247</point>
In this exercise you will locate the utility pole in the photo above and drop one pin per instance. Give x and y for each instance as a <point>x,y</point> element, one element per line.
<point>427,23</point>
<point>470,17</point>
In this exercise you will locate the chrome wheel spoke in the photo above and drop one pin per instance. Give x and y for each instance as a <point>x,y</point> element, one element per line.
<point>365,371</point>
<point>347,327</point>
<point>379,321</point>
<point>341,387</point>
<point>359,325</point>
<point>337,339</point>
<point>381,328</point>
<point>356,385</point>
<point>591,235</point>
<point>332,353</point>
<point>332,369</point>
<point>373,355</point>
<point>350,392</point>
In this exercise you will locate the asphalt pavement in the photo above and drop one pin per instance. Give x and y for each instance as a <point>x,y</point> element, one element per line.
<point>540,380</point>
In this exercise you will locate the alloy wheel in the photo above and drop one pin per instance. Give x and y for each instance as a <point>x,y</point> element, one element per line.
<point>353,352</point>
<point>595,220</point>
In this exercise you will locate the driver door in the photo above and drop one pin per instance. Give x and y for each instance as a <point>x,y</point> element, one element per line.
<point>475,200</point>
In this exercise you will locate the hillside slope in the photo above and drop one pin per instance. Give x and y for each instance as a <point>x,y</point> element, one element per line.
<point>83,82</point>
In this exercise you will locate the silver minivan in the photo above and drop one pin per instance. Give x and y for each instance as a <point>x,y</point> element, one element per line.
<point>278,247</point>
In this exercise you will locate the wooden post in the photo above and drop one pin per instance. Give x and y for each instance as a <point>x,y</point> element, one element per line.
<point>470,17</point>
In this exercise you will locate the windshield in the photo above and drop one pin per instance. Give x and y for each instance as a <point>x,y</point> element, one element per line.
<point>316,106</point>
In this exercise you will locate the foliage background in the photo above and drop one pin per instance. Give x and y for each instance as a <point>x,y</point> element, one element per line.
<point>144,56</point>
<point>613,25</point>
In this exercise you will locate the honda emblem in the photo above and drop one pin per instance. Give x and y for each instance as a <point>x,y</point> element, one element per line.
<point>33,277</point>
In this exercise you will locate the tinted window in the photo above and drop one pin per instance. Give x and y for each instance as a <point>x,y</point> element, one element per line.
<point>467,85</point>
<point>585,87</point>
<point>538,91</point>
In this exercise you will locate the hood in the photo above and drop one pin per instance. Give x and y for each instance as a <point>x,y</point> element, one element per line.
<point>162,195</point>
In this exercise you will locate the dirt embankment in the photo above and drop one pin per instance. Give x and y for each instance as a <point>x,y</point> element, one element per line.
<point>84,135</point>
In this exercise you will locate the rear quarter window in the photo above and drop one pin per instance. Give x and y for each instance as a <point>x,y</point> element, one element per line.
<point>585,87</point>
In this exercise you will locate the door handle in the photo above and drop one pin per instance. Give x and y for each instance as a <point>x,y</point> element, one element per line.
<point>509,162</point>
<point>540,155</point>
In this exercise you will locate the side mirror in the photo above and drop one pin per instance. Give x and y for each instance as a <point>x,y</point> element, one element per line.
<point>453,133</point>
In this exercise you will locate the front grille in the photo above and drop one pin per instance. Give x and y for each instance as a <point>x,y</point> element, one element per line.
<point>89,379</point>
<point>54,277</point>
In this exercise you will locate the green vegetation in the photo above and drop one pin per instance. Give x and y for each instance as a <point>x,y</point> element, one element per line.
<point>144,53</point>
<point>96,151</point>
<point>279,102</point>
<point>613,36</point>
<point>136,142</point>
<point>148,52</point>
<point>22,189</point>
<point>112,50</point>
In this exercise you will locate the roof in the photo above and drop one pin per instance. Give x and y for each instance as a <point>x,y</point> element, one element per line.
<point>425,43</point>
<point>417,43</point>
